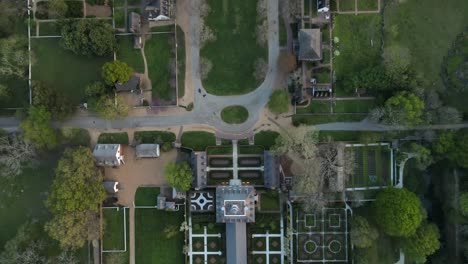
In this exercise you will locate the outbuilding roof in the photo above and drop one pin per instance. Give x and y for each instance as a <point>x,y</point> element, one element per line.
<point>147,151</point>
<point>130,86</point>
<point>310,44</point>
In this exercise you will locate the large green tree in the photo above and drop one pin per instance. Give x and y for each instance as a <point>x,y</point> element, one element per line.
<point>116,72</point>
<point>404,109</point>
<point>453,146</point>
<point>57,8</point>
<point>363,235</point>
<point>74,201</point>
<point>423,243</point>
<point>279,102</point>
<point>398,212</point>
<point>110,107</point>
<point>37,128</point>
<point>88,37</point>
<point>14,57</point>
<point>464,203</point>
<point>55,101</point>
<point>8,18</point>
<point>179,176</point>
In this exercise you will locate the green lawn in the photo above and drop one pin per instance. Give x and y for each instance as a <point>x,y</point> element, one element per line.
<point>364,5</point>
<point>266,138</point>
<point>354,106</point>
<point>22,199</point>
<point>130,55</point>
<point>119,18</point>
<point>158,51</point>
<point>269,201</point>
<point>385,250</point>
<point>151,244</point>
<point>113,234</point>
<point>198,140</point>
<point>324,118</point>
<point>315,106</point>
<point>19,96</point>
<point>113,138</point>
<point>234,114</point>
<point>63,69</point>
<point>150,137</point>
<point>428,29</point>
<point>360,41</point>
<point>146,196</point>
<point>49,29</point>
<point>347,5</point>
<point>180,62</point>
<point>234,24</point>
<point>251,150</point>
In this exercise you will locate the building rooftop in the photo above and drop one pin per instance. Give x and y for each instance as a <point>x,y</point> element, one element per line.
<point>108,154</point>
<point>235,204</point>
<point>310,44</point>
<point>131,86</point>
<point>147,151</point>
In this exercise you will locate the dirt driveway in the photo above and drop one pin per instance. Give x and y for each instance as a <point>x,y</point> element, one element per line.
<point>138,172</point>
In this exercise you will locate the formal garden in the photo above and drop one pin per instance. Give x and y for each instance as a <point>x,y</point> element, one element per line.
<point>230,71</point>
<point>373,167</point>
<point>321,237</point>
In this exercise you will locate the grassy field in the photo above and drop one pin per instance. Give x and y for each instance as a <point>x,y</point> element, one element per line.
<point>315,107</point>
<point>158,51</point>
<point>235,114</point>
<point>360,41</point>
<point>49,29</point>
<point>180,62</point>
<point>347,5</point>
<point>326,118</point>
<point>113,234</point>
<point>113,138</point>
<point>385,250</point>
<point>129,55</point>
<point>146,196</point>
<point>151,243</point>
<point>198,140</point>
<point>364,5</point>
<point>266,138</point>
<point>63,69</point>
<point>269,201</point>
<point>354,106</point>
<point>150,137</point>
<point>119,18</point>
<point>234,24</point>
<point>428,29</point>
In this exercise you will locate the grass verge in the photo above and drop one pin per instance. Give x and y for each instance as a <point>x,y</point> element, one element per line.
<point>198,140</point>
<point>234,114</point>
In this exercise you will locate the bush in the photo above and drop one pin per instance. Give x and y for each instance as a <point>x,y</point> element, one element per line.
<point>211,226</point>
<point>166,146</point>
<point>279,102</point>
<point>189,107</point>
<point>154,137</point>
<point>113,138</point>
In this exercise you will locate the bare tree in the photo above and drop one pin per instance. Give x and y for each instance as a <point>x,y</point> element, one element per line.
<point>14,151</point>
<point>261,69</point>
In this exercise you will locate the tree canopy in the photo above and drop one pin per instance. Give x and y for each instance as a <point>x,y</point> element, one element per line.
<point>423,243</point>
<point>74,201</point>
<point>464,204</point>
<point>56,102</point>
<point>179,176</point>
<point>14,152</point>
<point>398,212</point>
<point>405,109</point>
<point>110,107</point>
<point>363,234</point>
<point>116,72</point>
<point>279,102</point>
<point>453,146</point>
<point>14,57</point>
<point>88,37</point>
<point>37,128</point>
<point>423,155</point>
